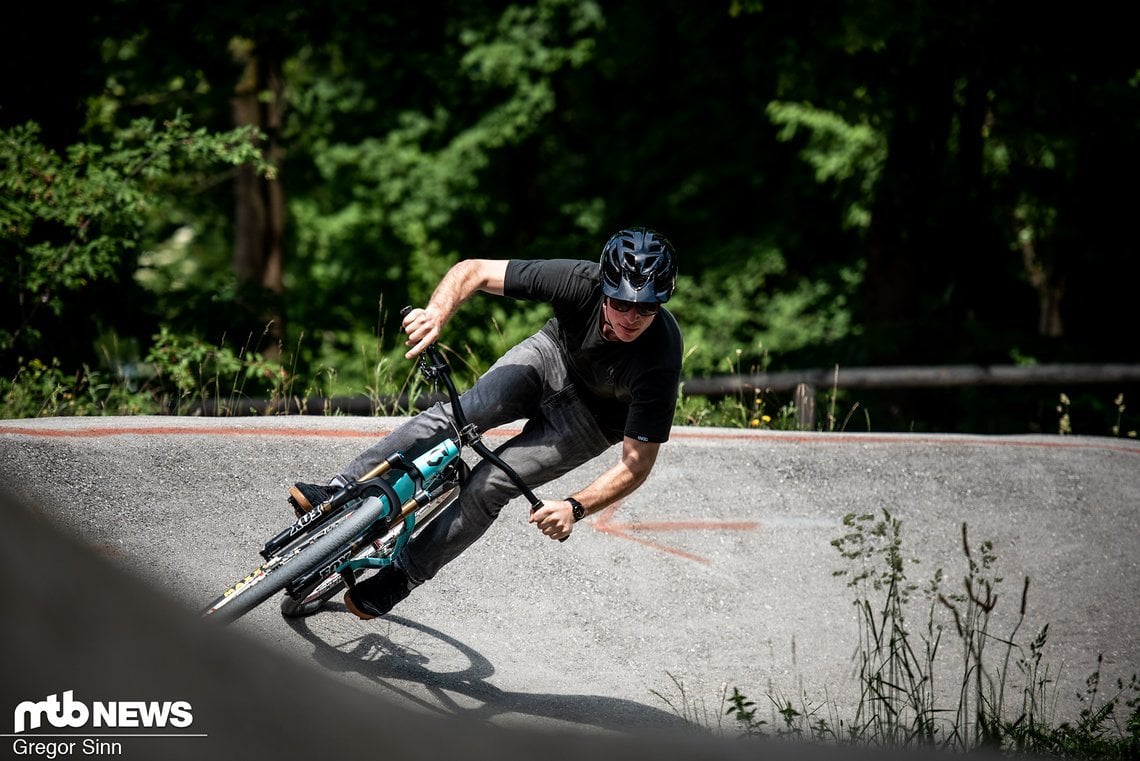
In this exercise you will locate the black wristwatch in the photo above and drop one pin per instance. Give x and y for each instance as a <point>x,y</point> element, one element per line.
<point>579,511</point>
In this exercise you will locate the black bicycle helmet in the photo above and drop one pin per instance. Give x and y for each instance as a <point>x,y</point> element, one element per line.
<point>639,265</point>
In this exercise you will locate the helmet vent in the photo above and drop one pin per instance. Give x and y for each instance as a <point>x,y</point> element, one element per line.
<point>638,264</point>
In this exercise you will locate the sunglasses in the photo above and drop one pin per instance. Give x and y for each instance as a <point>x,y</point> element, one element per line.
<point>645,310</point>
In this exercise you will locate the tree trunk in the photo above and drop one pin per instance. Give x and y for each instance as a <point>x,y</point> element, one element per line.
<point>259,213</point>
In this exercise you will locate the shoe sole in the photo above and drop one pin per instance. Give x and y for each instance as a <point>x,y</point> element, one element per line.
<point>348,603</point>
<point>300,504</point>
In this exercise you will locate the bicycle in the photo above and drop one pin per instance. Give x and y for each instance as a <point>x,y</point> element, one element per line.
<point>366,523</point>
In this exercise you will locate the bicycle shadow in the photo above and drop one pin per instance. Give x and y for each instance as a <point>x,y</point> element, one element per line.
<point>465,692</point>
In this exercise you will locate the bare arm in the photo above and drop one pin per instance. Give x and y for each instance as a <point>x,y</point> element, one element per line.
<point>556,518</point>
<point>462,281</point>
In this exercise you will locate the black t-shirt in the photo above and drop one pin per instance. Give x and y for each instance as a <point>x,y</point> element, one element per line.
<point>632,387</point>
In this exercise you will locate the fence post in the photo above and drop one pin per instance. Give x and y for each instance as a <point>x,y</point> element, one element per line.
<point>805,407</point>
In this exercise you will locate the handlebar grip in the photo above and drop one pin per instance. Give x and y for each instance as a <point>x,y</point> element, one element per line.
<point>537,504</point>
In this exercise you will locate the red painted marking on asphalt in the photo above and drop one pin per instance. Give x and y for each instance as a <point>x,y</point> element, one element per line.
<point>159,430</point>
<point>692,525</point>
<point>618,533</point>
<point>678,433</point>
<point>869,438</point>
<point>95,433</point>
<point>606,524</point>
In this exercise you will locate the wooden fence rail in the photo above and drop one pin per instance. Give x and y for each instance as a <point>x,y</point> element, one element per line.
<point>805,382</point>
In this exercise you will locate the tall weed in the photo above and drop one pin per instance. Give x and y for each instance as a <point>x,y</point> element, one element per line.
<point>1000,695</point>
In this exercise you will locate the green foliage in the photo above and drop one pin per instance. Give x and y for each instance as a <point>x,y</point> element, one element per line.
<point>897,703</point>
<point>840,153</point>
<point>1004,702</point>
<point>748,308</point>
<point>743,711</point>
<point>885,183</point>
<point>421,180</point>
<point>757,408</point>
<point>183,375</point>
<point>180,375</point>
<point>1119,407</point>
<point>41,389</point>
<point>191,372</point>
<point>407,188</point>
<point>72,220</point>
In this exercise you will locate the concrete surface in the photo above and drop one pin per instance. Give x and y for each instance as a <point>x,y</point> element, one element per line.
<point>718,573</point>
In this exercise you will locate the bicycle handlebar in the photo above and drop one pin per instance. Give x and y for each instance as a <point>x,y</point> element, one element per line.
<point>435,368</point>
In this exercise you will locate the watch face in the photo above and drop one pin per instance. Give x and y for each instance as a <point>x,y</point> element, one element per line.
<point>579,511</point>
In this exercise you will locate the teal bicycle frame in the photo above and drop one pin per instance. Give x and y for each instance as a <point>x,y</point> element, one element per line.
<point>410,496</point>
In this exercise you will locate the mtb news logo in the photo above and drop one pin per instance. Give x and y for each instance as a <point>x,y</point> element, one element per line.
<point>69,713</point>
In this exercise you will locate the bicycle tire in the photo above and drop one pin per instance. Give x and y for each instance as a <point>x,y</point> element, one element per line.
<point>269,581</point>
<point>313,599</point>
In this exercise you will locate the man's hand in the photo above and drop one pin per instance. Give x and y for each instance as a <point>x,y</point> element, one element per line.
<point>555,518</point>
<point>423,327</point>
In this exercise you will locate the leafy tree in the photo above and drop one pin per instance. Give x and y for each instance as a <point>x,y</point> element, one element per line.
<point>1001,130</point>
<point>72,224</point>
<point>884,182</point>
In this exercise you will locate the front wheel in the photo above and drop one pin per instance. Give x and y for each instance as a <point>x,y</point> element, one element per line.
<point>275,575</point>
<point>305,602</point>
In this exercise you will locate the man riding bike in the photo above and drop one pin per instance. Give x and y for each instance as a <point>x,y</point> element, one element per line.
<point>605,369</point>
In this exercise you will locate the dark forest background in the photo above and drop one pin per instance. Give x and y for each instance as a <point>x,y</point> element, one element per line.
<point>848,184</point>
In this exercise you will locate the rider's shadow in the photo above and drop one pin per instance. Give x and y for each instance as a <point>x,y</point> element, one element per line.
<point>391,656</point>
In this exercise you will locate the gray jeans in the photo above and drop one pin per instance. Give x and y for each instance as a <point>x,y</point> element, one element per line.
<point>529,382</point>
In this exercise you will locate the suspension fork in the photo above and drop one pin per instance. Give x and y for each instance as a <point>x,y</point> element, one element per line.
<point>370,483</point>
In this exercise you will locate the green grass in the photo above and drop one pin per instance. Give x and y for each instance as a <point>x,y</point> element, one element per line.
<point>183,375</point>
<point>998,695</point>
